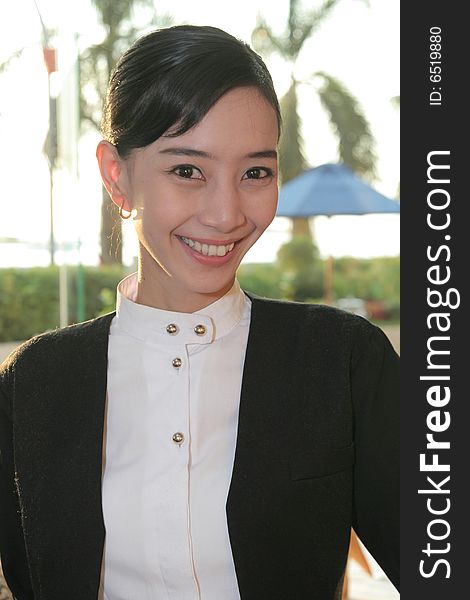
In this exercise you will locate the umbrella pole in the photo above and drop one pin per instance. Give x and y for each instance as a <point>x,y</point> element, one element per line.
<point>328,281</point>
<point>328,276</point>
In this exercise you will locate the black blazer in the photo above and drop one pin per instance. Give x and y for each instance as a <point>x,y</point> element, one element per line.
<point>316,454</point>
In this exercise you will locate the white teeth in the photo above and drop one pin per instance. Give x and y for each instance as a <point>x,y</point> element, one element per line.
<point>208,249</point>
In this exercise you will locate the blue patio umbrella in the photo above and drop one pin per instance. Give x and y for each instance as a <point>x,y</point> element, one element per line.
<point>331,189</point>
<point>328,190</point>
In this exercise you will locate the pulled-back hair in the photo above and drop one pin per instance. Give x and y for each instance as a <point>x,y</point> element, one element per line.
<point>171,77</point>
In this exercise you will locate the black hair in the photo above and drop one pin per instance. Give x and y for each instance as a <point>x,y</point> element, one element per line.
<point>172,77</point>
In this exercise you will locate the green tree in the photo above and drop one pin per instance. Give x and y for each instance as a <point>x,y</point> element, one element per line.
<point>302,270</point>
<point>119,20</point>
<point>355,140</point>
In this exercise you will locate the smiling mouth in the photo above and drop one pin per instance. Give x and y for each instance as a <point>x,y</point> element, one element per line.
<point>208,249</point>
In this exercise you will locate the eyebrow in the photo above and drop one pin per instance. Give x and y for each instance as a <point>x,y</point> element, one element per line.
<point>178,151</point>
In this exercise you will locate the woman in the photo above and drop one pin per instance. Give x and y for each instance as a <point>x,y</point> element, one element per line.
<point>201,442</point>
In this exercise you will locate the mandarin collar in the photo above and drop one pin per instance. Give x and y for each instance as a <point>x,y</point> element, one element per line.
<point>174,328</point>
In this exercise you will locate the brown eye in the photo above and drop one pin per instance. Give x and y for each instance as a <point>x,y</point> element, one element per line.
<point>258,173</point>
<point>187,172</point>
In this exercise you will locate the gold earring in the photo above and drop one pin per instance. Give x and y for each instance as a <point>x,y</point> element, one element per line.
<point>121,212</point>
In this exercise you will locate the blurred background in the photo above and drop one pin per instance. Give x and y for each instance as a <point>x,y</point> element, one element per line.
<point>335,66</point>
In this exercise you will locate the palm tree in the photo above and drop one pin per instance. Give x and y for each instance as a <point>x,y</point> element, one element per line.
<point>355,140</point>
<point>117,18</point>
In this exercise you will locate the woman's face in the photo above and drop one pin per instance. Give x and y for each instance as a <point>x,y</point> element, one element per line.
<point>202,199</point>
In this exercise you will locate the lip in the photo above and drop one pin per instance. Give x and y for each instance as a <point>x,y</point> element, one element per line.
<point>208,260</point>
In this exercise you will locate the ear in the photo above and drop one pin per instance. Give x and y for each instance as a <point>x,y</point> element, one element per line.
<point>114,174</point>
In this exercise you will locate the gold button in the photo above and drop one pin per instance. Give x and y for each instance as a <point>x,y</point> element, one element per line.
<point>177,362</point>
<point>172,328</point>
<point>178,438</point>
<point>200,330</point>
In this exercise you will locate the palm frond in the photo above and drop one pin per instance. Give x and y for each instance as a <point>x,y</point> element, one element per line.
<point>4,65</point>
<point>111,13</point>
<point>291,156</point>
<point>300,25</point>
<point>308,23</point>
<point>265,42</point>
<point>356,142</point>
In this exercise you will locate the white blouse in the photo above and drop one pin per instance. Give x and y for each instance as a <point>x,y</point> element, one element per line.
<point>174,382</point>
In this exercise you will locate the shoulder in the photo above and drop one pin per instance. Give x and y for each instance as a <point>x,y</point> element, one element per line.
<point>55,344</point>
<point>318,321</point>
<point>313,312</point>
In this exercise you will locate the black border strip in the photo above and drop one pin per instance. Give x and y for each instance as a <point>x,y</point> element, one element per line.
<point>434,129</point>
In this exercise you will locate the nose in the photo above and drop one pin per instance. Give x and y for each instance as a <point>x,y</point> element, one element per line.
<point>222,208</point>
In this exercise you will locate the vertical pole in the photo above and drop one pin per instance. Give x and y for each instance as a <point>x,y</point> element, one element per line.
<point>50,151</point>
<point>63,296</point>
<point>81,284</point>
<point>81,303</point>
<point>328,281</point>
<point>328,276</point>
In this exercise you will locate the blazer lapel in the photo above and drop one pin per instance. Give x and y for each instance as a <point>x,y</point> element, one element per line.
<point>270,379</point>
<point>58,434</point>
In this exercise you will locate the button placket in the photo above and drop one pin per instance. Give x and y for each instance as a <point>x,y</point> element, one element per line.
<point>180,410</point>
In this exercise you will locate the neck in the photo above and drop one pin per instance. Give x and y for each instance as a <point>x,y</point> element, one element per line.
<point>156,288</point>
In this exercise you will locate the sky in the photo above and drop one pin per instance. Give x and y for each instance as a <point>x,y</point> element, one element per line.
<point>358,44</point>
